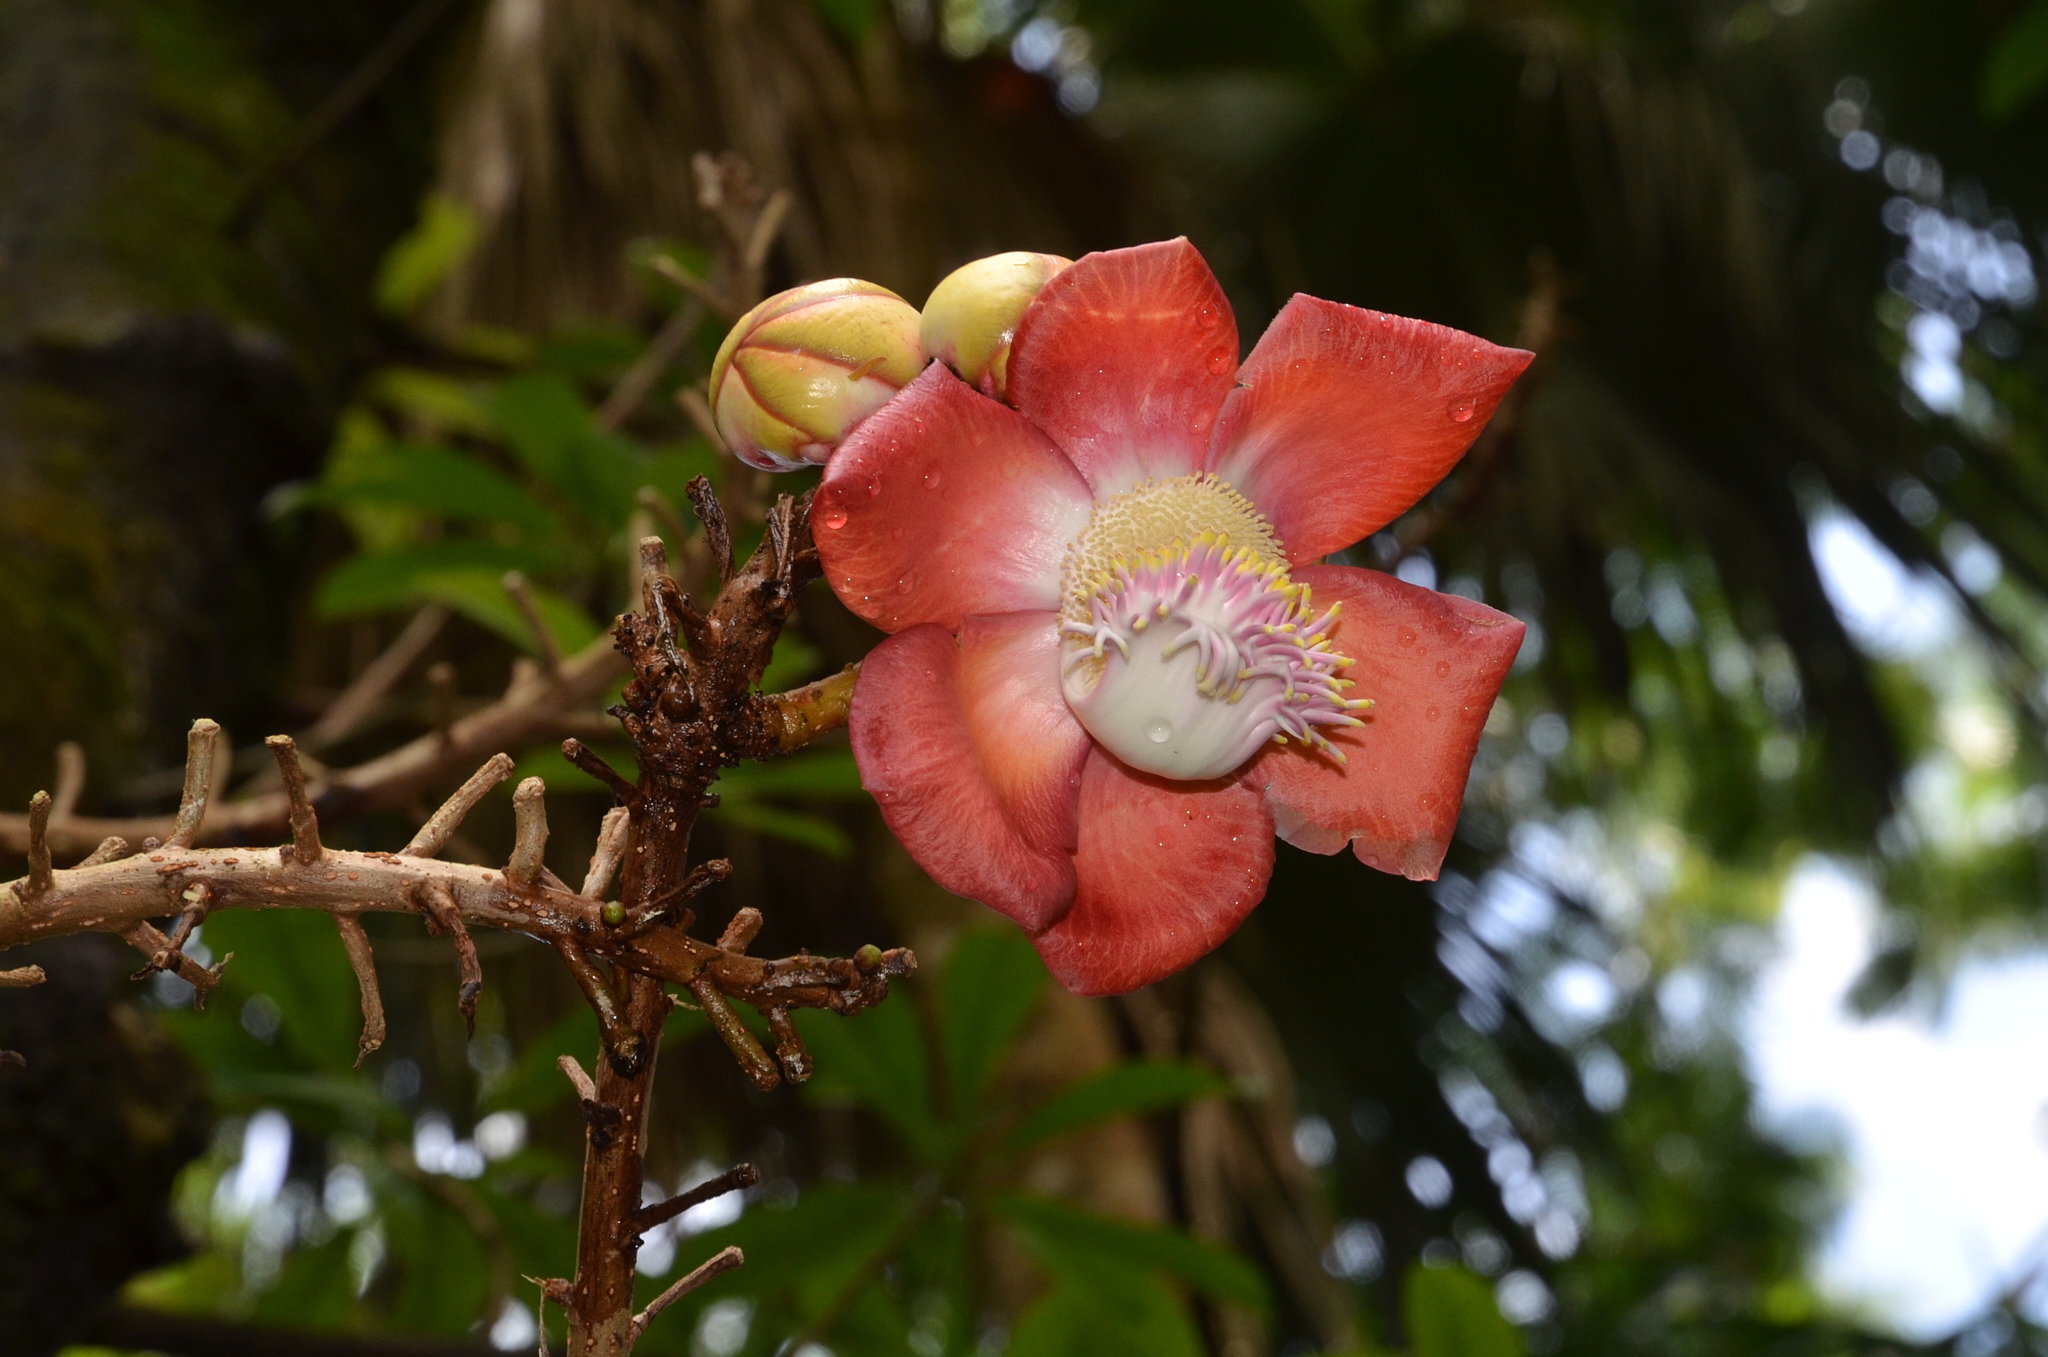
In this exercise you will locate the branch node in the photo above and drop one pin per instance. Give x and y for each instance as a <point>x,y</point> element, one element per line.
<point>199,750</point>
<point>744,928</point>
<point>611,850</point>
<point>529,834</point>
<point>622,1045</point>
<point>40,878</point>
<point>305,824</point>
<point>112,849</point>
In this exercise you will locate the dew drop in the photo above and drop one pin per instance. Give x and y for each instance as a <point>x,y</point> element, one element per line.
<point>1220,360</point>
<point>1426,800</point>
<point>1431,713</point>
<point>874,486</point>
<point>833,517</point>
<point>904,583</point>
<point>1443,668</point>
<point>1461,412</point>
<point>931,479</point>
<point>1159,732</point>
<point>1407,636</point>
<point>1207,317</point>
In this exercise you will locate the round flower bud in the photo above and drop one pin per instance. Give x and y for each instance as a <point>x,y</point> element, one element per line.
<point>802,369</point>
<point>971,316</point>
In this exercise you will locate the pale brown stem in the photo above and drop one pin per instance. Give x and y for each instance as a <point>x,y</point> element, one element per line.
<point>740,932</point>
<point>440,906</point>
<point>363,962</point>
<point>586,1091</point>
<point>529,833</point>
<point>39,878</point>
<point>144,938</point>
<point>666,346</point>
<point>305,824</point>
<point>521,589</point>
<point>725,1260</point>
<point>611,848</point>
<point>70,779</point>
<point>199,747</point>
<point>110,849</point>
<point>698,289</point>
<point>758,1064</point>
<point>766,227</point>
<point>692,403</point>
<point>736,1179</point>
<point>347,713</point>
<point>433,835</point>
<point>22,977</point>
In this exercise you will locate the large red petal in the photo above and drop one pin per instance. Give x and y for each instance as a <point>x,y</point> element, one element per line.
<point>1431,663</point>
<point>945,503</point>
<point>1168,870</point>
<point>975,760</point>
<point>1124,359</point>
<point>1343,417</point>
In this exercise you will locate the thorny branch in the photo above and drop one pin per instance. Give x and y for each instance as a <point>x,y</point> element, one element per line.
<point>691,711</point>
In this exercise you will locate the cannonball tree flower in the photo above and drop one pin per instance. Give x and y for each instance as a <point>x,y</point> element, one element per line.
<point>1115,668</point>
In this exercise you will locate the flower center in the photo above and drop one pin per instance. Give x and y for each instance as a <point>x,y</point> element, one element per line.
<point>1187,644</point>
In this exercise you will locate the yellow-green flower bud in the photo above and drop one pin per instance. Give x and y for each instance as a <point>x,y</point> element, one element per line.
<point>803,368</point>
<point>971,317</point>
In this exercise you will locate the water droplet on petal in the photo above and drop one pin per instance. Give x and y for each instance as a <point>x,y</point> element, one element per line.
<point>1443,668</point>
<point>1431,713</point>
<point>904,583</point>
<point>1426,800</point>
<point>1407,636</point>
<point>873,486</point>
<point>833,517</point>
<point>931,479</point>
<point>1461,412</point>
<point>1221,360</point>
<point>1207,317</point>
<point>1159,732</point>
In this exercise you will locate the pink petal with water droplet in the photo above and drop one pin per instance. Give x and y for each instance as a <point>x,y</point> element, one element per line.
<point>974,759</point>
<point>1344,417</point>
<point>946,504</point>
<point>1167,871</point>
<point>1124,360</point>
<point>1396,799</point>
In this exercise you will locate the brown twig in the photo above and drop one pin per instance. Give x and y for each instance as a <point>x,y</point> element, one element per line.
<point>736,1179</point>
<point>639,379</point>
<point>440,908</point>
<point>529,833</point>
<point>433,835</point>
<point>612,838</point>
<point>39,877</point>
<point>70,779</point>
<point>725,1260</point>
<point>363,962</point>
<point>527,713</point>
<point>305,824</point>
<point>521,589</point>
<point>199,749</point>
<point>22,977</point>
<point>350,711</point>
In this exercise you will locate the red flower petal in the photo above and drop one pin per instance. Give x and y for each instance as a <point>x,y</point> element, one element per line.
<point>1124,359</point>
<point>1431,663</point>
<point>1168,870</point>
<point>944,503</point>
<point>1345,417</point>
<point>975,760</point>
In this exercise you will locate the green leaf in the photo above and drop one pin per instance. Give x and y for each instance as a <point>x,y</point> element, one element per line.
<point>1068,1240</point>
<point>1116,1310</point>
<point>1450,1313</point>
<point>877,1058</point>
<point>467,576</point>
<point>293,957</point>
<point>810,831</point>
<point>424,256</point>
<point>2016,69</point>
<point>853,18</point>
<point>992,984</point>
<point>552,434</point>
<point>816,775</point>
<point>438,481</point>
<point>794,660</point>
<point>431,398</point>
<point>1125,1090</point>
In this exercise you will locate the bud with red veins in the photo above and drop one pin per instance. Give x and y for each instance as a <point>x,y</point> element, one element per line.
<point>971,316</point>
<point>799,372</point>
<point>1187,646</point>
